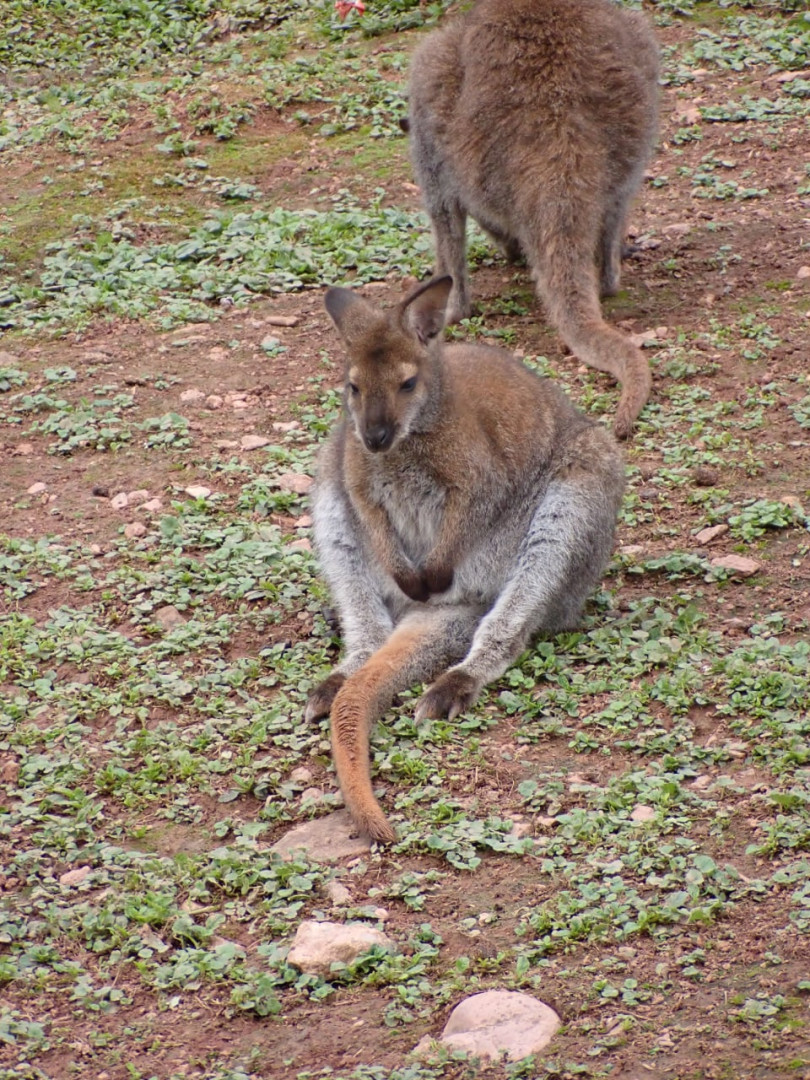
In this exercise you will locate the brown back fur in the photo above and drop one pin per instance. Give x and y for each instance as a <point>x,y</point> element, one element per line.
<point>537,118</point>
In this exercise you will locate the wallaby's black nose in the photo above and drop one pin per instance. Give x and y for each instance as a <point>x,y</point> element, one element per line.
<point>378,437</point>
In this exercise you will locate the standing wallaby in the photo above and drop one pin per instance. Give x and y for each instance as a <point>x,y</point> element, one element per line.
<point>462,504</point>
<point>537,118</point>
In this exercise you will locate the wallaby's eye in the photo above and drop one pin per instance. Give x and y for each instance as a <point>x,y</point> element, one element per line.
<point>355,389</point>
<point>409,384</point>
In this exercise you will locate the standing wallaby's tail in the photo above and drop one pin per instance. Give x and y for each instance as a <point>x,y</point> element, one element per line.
<point>570,294</point>
<point>421,646</point>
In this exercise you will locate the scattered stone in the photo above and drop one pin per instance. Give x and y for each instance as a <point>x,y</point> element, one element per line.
<point>337,893</point>
<point>135,498</point>
<point>704,476</point>
<point>520,829</point>
<point>253,442</point>
<point>198,491</point>
<point>101,491</point>
<point>119,501</point>
<point>301,775</point>
<point>631,549</point>
<point>687,113</point>
<point>700,783</point>
<point>803,273</point>
<point>10,769</point>
<point>282,320</point>
<point>226,444</point>
<point>217,353</point>
<point>644,338</point>
<point>627,952</point>
<point>382,914</point>
<point>300,545</point>
<point>498,1023</point>
<point>642,813</point>
<point>304,521</point>
<point>74,877</point>
<point>192,397</point>
<point>152,506</point>
<point>737,564</point>
<point>168,617</point>
<point>325,839</point>
<point>677,228</point>
<point>318,945</point>
<point>8,359</point>
<point>37,489</point>
<point>95,549</point>
<point>296,482</point>
<point>286,425</point>
<point>214,401</point>
<point>23,449</point>
<point>794,501</point>
<point>269,343</point>
<point>134,530</point>
<point>705,536</point>
<point>312,794</point>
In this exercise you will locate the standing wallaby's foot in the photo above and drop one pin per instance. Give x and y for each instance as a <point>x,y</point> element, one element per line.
<point>461,505</point>
<point>537,118</point>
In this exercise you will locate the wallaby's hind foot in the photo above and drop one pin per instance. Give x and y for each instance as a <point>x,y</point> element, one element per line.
<point>320,699</point>
<point>452,694</point>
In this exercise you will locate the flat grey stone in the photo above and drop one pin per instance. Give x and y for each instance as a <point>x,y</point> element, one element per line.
<point>325,839</point>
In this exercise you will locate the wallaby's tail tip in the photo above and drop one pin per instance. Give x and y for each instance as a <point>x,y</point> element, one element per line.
<point>636,388</point>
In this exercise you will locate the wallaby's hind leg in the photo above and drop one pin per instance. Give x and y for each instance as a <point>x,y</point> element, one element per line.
<point>449,221</point>
<point>422,645</point>
<point>614,229</point>
<point>559,562</point>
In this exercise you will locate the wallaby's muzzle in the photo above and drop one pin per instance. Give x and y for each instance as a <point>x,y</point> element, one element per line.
<point>378,437</point>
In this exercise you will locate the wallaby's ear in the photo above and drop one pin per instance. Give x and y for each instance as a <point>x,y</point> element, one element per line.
<point>353,316</point>
<point>423,311</point>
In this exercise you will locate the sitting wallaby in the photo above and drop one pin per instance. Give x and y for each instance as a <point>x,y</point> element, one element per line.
<point>537,118</point>
<point>462,504</point>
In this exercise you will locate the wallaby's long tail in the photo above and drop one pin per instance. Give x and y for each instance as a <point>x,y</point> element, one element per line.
<point>570,294</point>
<point>359,703</point>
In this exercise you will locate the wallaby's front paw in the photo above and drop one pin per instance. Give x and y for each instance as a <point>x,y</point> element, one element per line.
<point>451,694</point>
<point>320,700</point>
<point>413,585</point>
<point>437,579</point>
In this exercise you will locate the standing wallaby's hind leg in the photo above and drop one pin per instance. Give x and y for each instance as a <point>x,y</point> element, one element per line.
<point>424,642</point>
<point>614,228</point>
<point>566,282</point>
<point>559,562</point>
<point>450,238</point>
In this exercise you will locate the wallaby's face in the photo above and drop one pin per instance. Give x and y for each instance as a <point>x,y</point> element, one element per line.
<point>390,370</point>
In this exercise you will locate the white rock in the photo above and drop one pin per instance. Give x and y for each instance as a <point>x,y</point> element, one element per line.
<point>192,397</point>
<point>289,425</point>
<point>253,442</point>
<point>304,521</point>
<point>119,501</point>
<point>325,839</point>
<point>198,491</point>
<point>135,498</point>
<point>168,617</point>
<point>269,343</point>
<point>75,877</point>
<point>705,536</point>
<point>214,401</point>
<point>337,893</point>
<point>134,530</point>
<point>312,794</point>
<point>500,1023</point>
<point>37,489</point>
<point>738,564</point>
<point>300,545</point>
<point>632,550</point>
<point>282,320</point>
<point>301,775</point>
<point>296,482</point>
<point>153,505</point>
<point>642,813</point>
<point>803,273</point>
<point>318,945</point>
